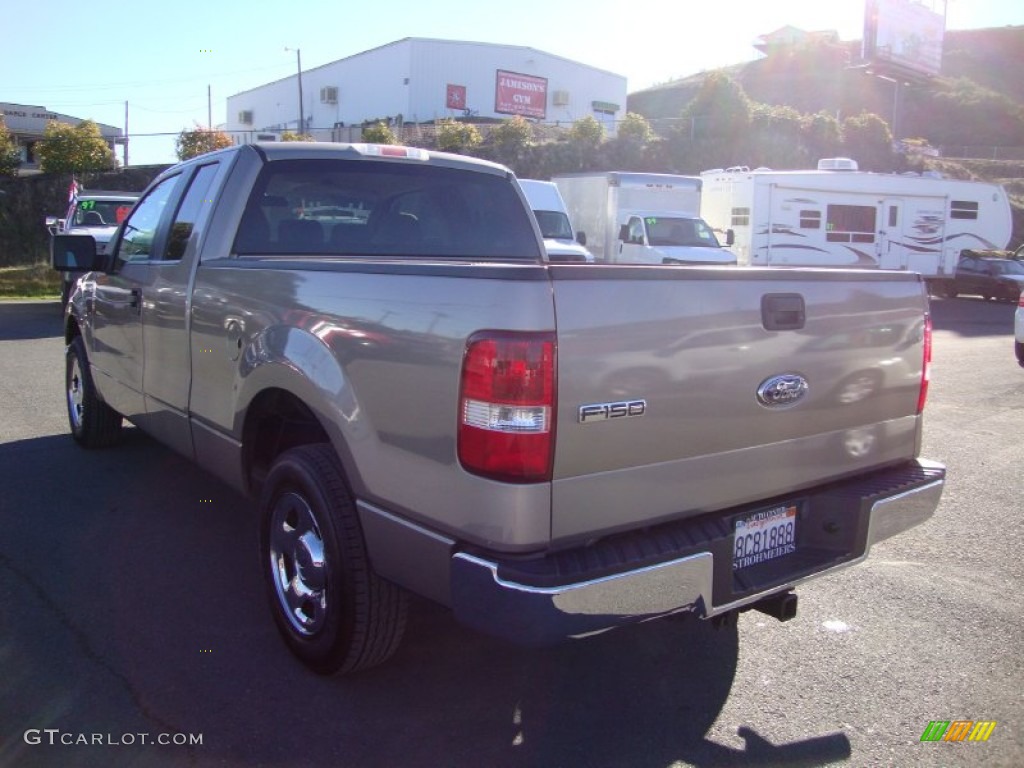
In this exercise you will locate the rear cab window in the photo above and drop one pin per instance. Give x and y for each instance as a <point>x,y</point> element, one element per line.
<point>364,208</point>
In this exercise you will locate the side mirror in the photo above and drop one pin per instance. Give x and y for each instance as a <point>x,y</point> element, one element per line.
<point>624,233</point>
<point>581,238</point>
<point>51,221</point>
<point>75,253</point>
<point>730,237</point>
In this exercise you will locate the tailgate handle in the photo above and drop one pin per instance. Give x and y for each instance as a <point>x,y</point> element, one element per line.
<point>783,312</point>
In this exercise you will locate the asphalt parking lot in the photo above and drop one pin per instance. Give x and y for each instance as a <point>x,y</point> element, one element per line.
<point>131,609</point>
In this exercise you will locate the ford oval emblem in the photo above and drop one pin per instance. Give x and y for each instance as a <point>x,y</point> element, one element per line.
<point>782,391</point>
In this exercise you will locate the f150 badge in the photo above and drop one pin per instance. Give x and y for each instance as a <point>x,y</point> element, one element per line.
<point>624,409</point>
<point>782,391</point>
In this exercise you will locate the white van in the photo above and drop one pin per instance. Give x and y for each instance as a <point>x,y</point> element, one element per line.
<point>560,242</point>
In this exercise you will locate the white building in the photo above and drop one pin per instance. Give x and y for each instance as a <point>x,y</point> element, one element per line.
<point>420,80</point>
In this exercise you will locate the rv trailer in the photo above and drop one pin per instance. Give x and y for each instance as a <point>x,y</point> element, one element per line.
<point>838,216</point>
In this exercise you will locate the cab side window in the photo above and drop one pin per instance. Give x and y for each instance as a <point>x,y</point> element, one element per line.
<point>196,199</point>
<point>139,230</point>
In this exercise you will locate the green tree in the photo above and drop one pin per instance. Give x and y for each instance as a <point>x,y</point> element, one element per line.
<point>628,151</point>
<point>636,129</point>
<point>776,137</point>
<point>822,135</point>
<point>74,148</point>
<point>379,133</point>
<point>868,140</point>
<point>510,139</point>
<point>959,111</point>
<point>292,136</point>
<point>716,123</point>
<point>720,110</point>
<point>453,136</point>
<point>10,158</point>
<point>199,141</point>
<point>578,150</point>
<point>587,133</point>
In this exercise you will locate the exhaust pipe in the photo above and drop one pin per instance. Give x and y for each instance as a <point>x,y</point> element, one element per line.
<point>782,606</point>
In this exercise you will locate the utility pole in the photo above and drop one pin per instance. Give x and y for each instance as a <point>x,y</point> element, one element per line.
<point>209,109</point>
<point>126,134</point>
<point>298,63</point>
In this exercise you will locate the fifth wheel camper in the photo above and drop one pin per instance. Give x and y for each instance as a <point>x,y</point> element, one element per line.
<point>838,216</point>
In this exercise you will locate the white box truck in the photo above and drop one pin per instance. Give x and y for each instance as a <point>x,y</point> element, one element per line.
<point>838,216</point>
<point>641,218</point>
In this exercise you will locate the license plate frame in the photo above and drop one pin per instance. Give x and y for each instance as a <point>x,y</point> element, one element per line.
<point>765,535</point>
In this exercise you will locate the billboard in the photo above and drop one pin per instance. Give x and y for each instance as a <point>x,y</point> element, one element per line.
<point>904,34</point>
<point>516,94</point>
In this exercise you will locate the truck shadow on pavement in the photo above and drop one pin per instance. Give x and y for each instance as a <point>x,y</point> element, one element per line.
<point>972,316</point>
<point>134,605</point>
<point>24,320</point>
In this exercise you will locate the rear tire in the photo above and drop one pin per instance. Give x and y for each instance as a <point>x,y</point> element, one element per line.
<point>94,424</point>
<point>333,611</point>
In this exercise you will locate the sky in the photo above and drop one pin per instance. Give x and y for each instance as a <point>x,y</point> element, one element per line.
<point>163,59</point>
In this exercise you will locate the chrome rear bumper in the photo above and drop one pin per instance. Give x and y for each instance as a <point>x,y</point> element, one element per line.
<point>617,583</point>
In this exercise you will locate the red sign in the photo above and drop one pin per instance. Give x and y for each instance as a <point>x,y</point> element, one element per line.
<point>456,97</point>
<point>516,94</point>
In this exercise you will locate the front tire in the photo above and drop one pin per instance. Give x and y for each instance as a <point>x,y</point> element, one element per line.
<point>94,424</point>
<point>333,611</point>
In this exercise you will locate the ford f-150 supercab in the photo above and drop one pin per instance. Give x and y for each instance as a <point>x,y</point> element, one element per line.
<point>370,342</point>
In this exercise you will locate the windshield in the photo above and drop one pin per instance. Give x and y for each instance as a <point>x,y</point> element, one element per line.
<point>101,213</point>
<point>663,230</point>
<point>554,225</point>
<point>1008,268</point>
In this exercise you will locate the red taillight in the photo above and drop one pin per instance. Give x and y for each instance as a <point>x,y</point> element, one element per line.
<point>926,367</point>
<point>507,406</point>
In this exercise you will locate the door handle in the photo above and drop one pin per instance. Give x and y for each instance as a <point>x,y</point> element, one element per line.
<point>136,300</point>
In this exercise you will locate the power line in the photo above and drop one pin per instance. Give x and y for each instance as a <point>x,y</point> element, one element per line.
<point>136,83</point>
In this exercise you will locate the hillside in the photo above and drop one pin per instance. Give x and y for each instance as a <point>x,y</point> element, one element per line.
<point>982,76</point>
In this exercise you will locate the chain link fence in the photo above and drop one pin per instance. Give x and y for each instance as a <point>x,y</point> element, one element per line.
<point>983,153</point>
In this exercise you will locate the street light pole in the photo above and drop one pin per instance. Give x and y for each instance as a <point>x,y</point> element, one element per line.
<point>298,63</point>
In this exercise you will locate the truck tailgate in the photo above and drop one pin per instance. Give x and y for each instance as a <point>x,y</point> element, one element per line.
<point>660,369</point>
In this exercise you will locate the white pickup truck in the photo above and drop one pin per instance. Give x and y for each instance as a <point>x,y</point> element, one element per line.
<point>92,213</point>
<point>370,342</point>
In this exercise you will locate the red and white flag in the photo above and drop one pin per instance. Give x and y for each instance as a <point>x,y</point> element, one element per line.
<point>73,190</point>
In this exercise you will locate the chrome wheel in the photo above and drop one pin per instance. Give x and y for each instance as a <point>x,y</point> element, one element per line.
<point>76,395</point>
<point>298,564</point>
<point>333,611</point>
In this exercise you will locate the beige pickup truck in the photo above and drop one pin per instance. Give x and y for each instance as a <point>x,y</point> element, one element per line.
<point>370,342</point>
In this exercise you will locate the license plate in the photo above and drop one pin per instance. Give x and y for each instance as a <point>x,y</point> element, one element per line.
<point>764,536</point>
